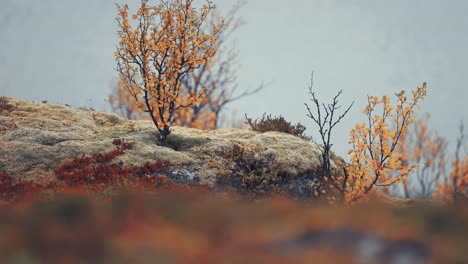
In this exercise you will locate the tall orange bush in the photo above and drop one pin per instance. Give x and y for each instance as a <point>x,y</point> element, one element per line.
<point>373,145</point>
<point>160,45</point>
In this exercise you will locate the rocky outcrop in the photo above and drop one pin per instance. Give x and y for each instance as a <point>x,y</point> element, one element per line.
<point>37,137</point>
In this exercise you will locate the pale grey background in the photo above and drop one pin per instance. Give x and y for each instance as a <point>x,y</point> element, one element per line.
<point>61,51</point>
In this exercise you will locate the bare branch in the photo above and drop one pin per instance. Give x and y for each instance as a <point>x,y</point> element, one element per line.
<point>325,125</point>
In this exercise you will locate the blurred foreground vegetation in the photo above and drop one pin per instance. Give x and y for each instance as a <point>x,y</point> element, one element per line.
<point>205,227</point>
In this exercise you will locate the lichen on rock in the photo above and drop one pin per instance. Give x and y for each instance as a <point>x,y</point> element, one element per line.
<point>47,135</point>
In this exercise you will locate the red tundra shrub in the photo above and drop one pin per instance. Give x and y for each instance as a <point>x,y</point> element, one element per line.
<point>98,172</point>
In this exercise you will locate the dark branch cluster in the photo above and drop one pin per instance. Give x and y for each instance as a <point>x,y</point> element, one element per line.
<point>325,119</point>
<point>269,123</point>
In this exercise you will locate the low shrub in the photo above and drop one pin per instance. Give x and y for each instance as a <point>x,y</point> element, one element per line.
<point>269,123</point>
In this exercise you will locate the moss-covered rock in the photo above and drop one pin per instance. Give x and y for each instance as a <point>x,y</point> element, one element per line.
<point>47,135</point>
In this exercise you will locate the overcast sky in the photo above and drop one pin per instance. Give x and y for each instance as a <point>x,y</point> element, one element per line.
<point>61,51</point>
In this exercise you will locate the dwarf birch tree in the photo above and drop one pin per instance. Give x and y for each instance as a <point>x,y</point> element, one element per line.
<point>219,77</point>
<point>159,45</point>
